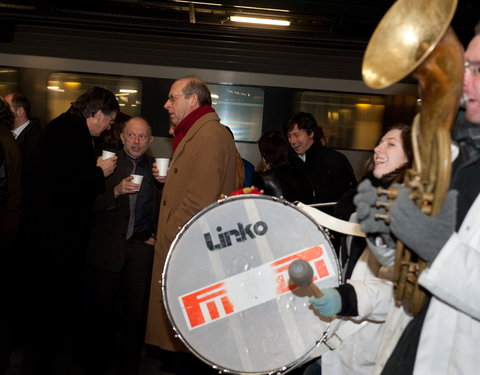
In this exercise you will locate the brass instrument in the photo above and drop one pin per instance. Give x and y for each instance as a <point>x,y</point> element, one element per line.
<point>414,38</point>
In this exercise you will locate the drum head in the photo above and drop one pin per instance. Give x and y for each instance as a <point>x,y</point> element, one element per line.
<point>226,286</point>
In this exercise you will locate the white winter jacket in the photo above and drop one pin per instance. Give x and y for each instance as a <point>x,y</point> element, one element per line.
<point>356,353</point>
<point>450,338</point>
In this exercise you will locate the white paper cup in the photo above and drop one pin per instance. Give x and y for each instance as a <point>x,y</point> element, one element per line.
<point>162,165</point>
<point>107,154</point>
<point>137,179</point>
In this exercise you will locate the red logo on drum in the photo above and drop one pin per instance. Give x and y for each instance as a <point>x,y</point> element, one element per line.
<point>248,289</point>
<point>242,233</point>
<point>211,298</point>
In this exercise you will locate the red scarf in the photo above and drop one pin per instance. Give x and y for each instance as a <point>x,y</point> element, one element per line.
<point>185,125</point>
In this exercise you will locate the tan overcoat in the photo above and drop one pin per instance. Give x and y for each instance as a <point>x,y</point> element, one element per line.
<point>202,168</point>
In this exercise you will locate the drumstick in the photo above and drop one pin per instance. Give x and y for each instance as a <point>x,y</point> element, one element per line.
<point>301,273</point>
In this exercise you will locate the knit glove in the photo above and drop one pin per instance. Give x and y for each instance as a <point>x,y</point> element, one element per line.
<point>328,305</point>
<point>365,201</point>
<point>423,234</point>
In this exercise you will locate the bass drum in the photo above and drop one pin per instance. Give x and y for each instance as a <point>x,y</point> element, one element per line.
<point>226,287</point>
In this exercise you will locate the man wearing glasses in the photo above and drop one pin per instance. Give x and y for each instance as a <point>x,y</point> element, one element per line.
<point>120,253</point>
<point>203,167</point>
<point>68,177</point>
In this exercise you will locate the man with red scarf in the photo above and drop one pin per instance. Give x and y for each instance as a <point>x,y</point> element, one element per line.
<point>203,167</point>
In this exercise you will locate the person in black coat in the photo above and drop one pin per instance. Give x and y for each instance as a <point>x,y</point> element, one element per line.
<point>329,170</point>
<point>10,214</point>
<point>27,132</point>
<point>67,181</point>
<point>279,177</point>
<point>120,254</point>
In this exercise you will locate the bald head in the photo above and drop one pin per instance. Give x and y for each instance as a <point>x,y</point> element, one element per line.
<point>186,95</point>
<point>136,137</point>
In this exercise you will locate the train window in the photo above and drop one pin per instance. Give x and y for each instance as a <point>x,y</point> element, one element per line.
<point>65,88</point>
<point>8,80</point>
<point>349,121</point>
<point>240,108</point>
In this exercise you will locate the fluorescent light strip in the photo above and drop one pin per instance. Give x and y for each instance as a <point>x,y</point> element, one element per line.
<point>264,9</point>
<point>263,21</point>
<point>197,2</point>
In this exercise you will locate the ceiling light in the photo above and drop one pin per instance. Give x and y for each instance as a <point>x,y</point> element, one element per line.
<point>197,3</point>
<point>264,9</point>
<point>263,21</point>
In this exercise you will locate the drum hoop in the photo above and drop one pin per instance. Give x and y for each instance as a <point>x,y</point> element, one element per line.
<point>179,235</point>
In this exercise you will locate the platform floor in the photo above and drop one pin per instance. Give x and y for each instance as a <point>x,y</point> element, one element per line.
<point>148,366</point>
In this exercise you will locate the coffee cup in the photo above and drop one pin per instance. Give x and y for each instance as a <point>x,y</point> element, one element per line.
<point>107,154</point>
<point>162,166</point>
<point>137,179</point>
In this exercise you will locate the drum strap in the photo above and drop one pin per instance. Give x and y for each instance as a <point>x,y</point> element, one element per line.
<point>331,222</point>
<point>341,330</point>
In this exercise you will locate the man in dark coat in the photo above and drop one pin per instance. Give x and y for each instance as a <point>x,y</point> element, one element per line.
<point>69,178</point>
<point>10,180</point>
<point>27,132</point>
<point>10,198</point>
<point>120,252</point>
<point>329,170</point>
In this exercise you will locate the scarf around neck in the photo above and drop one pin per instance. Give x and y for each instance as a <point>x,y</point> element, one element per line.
<point>184,126</point>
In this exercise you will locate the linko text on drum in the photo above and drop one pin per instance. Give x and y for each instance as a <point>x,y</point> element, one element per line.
<point>243,233</point>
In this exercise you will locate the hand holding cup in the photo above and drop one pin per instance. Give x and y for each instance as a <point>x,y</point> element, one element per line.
<point>107,165</point>
<point>160,169</point>
<point>107,154</point>
<point>137,179</point>
<point>126,186</point>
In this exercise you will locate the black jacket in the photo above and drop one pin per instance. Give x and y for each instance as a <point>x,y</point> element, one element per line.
<point>28,142</point>
<point>67,183</point>
<point>288,182</point>
<point>10,189</point>
<point>108,245</point>
<point>329,170</point>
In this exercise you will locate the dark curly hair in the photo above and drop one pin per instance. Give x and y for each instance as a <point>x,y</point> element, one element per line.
<point>96,99</point>
<point>304,121</point>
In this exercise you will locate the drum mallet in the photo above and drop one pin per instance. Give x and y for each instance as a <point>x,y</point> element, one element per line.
<point>301,273</point>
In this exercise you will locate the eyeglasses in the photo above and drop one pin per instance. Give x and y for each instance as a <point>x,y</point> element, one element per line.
<point>172,97</point>
<point>473,66</point>
<point>142,137</point>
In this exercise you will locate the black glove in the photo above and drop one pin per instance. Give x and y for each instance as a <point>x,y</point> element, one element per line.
<point>366,210</point>
<point>423,234</point>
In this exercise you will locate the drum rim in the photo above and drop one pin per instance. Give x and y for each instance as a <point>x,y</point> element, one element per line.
<point>177,238</point>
